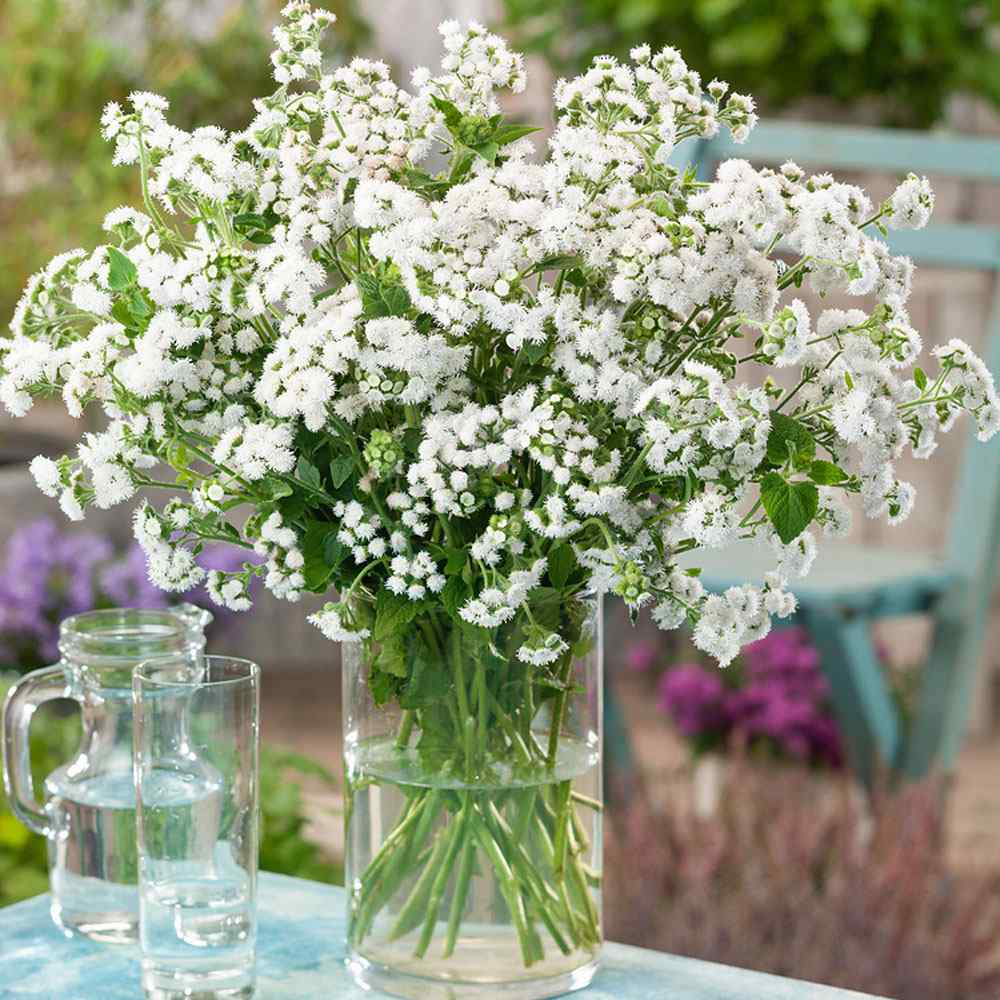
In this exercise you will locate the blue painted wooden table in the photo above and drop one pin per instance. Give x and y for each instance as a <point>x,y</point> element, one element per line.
<point>301,957</point>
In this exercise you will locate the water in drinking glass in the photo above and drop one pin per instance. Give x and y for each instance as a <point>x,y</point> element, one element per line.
<point>197,920</point>
<point>196,743</point>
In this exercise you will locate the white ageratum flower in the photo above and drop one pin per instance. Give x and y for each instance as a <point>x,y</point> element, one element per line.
<point>911,204</point>
<point>542,648</point>
<point>331,622</point>
<point>229,590</point>
<point>46,475</point>
<point>171,565</point>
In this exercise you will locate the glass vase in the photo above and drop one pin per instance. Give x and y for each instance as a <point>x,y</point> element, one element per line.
<point>473,844</point>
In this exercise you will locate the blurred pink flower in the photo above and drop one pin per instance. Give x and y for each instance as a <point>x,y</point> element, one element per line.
<point>640,656</point>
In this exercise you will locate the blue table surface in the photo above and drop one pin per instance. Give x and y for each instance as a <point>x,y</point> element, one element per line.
<point>301,957</point>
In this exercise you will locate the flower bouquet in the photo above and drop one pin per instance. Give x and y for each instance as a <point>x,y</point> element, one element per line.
<point>382,345</point>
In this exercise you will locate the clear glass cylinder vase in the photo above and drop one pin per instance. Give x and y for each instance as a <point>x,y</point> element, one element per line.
<point>473,844</point>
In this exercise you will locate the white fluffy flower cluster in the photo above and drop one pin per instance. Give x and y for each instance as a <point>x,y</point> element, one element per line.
<point>332,622</point>
<point>476,387</point>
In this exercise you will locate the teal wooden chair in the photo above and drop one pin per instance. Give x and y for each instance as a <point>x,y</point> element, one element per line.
<point>853,585</point>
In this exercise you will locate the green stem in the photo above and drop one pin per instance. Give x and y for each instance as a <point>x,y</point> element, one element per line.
<point>558,711</point>
<point>483,705</point>
<point>561,839</point>
<point>457,838</point>
<point>460,896</point>
<point>405,728</point>
<point>541,894</point>
<point>468,723</point>
<point>413,910</point>
<point>586,800</point>
<point>508,887</point>
<point>404,857</point>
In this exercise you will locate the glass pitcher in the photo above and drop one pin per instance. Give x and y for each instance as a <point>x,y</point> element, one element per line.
<point>88,813</point>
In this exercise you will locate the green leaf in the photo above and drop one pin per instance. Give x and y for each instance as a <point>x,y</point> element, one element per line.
<point>436,744</point>
<point>317,568</point>
<point>276,488</point>
<point>506,134</point>
<point>393,614</point>
<point>122,312</point>
<point>308,474</point>
<point>140,307</point>
<point>341,469</point>
<point>557,262</point>
<point>392,657</point>
<point>334,551</point>
<point>452,116</point>
<point>562,562</point>
<point>430,187</point>
<point>293,507</point>
<point>826,473</point>
<point>790,506</point>
<point>920,377</point>
<point>428,683</point>
<point>396,299</point>
<point>381,298</point>
<point>487,150</point>
<point>461,164</point>
<point>455,593</point>
<point>660,205</point>
<point>455,560</point>
<point>384,686</point>
<point>250,220</point>
<point>789,437</point>
<point>535,352</point>
<point>121,271</point>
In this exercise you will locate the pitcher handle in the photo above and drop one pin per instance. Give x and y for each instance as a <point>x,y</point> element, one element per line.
<point>23,700</point>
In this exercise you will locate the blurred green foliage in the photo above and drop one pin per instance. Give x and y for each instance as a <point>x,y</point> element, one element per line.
<point>63,60</point>
<point>909,56</point>
<point>283,845</point>
<point>23,854</point>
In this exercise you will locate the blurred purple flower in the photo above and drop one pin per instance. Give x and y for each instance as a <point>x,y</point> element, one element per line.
<point>694,698</point>
<point>787,656</point>
<point>781,699</point>
<point>126,584</point>
<point>798,726</point>
<point>47,575</point>
<point>640,656</point>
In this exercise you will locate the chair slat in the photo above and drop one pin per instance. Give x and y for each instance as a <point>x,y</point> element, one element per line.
<point>957,156</point>
<point>950,245</point>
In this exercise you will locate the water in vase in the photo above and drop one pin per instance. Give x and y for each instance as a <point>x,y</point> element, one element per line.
<point>432,861</point>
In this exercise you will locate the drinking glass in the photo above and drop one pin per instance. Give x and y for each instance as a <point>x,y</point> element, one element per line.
<point>196,742</point>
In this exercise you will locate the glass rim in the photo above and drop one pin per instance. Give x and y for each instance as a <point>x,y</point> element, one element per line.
<point>109,638</point>
<point>141,675</point>
<point>100,623</point>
